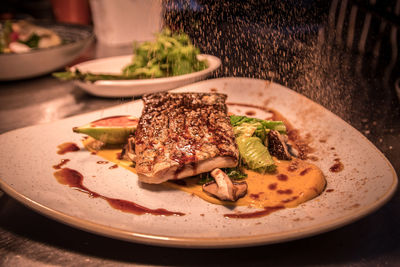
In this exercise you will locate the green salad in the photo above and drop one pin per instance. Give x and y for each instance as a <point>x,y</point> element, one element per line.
<point>171,54</point>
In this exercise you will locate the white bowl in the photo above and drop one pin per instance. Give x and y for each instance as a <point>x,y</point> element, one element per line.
<point>42,61</point>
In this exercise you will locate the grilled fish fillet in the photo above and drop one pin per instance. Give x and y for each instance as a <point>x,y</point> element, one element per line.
<point>183,134</point>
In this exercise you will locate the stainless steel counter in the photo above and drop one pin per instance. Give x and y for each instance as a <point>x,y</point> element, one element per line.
<point>345,82</point>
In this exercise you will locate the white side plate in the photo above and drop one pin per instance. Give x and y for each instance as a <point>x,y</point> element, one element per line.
<point>365,184</point>
<point>126,88</point>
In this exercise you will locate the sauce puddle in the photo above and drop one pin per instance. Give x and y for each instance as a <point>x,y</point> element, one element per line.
<point>67,147</point>
<point>74,179</point>
<point>337,167</point>
<point>62,163</point>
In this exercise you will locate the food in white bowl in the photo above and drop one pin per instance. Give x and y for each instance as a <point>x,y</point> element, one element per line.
<point>171,54</point>
<point>22,36</point>
<point>31,49</point>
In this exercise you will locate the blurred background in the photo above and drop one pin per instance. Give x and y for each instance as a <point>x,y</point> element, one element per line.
<point>288,41</point>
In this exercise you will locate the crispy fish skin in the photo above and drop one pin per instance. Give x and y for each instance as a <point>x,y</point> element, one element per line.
<point>183,134</point>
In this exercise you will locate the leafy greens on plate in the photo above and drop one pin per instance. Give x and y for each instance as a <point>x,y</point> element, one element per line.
<point>171,54</point>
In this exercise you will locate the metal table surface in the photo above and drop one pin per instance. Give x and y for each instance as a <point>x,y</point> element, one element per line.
<point>357,87</point>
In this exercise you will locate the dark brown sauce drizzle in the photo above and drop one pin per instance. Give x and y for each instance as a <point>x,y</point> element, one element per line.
<point>256,196</point>
<point>67,147</point>
<point>290,199</point>
<point>62,163</point>
<point>286,191</point>
<point>282,177</point>
<point>337,167</point>
<point>102,162</point>
<point>189,158</point>
<point>113,166</point>
<point>250,113</point>
<point>305,171</point>
<point>272,186</point>
<point>257,214</point>
<point>74,179</point>
<point>329,190</point>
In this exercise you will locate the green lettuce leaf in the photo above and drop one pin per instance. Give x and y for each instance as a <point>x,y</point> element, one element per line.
<point>254,154</point>
<point>261,124</point>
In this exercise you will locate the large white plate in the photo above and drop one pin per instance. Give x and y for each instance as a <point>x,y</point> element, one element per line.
<point>366,183</point>
<point>45,60</point>
<point>126,88</point>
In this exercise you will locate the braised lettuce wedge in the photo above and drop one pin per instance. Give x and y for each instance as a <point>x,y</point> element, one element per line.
<point>251,138</point>
<point>255,155</point>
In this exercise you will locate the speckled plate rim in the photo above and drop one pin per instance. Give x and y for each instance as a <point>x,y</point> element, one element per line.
<point>187,242</point>
<point>224,242</point>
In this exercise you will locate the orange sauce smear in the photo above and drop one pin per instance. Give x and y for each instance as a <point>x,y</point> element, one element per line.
<point>294,182</point>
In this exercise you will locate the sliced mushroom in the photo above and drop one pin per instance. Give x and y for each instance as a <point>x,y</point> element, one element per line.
<point>277,146</point>
<point>128,152</point>
<point>223,188</point>
<point>292,150</point>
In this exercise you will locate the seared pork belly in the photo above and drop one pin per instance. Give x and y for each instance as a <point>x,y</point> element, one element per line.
<point>183,134</point>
